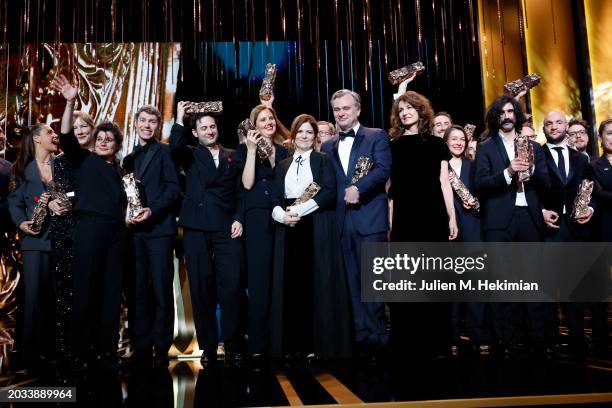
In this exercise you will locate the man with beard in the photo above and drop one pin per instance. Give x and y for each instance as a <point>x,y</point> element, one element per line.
<point>511,210</point>
<point>211,218</point>
<point>153,231</point>
<point>578,132</point>
<point>567,169</point>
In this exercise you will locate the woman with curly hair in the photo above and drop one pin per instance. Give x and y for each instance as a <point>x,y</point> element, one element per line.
<point>422,210</point>
<point>420,164</point>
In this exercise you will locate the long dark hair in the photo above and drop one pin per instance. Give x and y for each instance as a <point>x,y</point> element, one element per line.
<point>495,110</point>
<point>26,152</point>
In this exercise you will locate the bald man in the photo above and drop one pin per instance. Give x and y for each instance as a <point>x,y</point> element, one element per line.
<point>567,169</point>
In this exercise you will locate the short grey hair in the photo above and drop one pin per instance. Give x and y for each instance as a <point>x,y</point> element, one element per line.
<point>343,92</point>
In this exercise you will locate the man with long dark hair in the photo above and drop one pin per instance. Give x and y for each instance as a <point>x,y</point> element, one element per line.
<point>511,210</point>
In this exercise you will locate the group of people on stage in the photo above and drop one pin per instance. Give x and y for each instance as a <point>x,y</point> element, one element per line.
<point>239,215</point>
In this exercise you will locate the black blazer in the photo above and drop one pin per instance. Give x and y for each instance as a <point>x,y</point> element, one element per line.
<point>497,198</point>
<point>601,173</point>
<point>5,173</point>
<point>21,203</point>
<point>563,192</point>
<point>212,200</point>
<point>322,173</point>
<point>159,178</point>
<point>260,195</point>
<point>99,189</point>
<point>468,221</point>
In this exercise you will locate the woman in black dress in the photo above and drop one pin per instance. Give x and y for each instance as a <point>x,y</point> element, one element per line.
<point>422,210</point>
<point>257,177</point>
<point>310,305</point>
<point>99,237</point>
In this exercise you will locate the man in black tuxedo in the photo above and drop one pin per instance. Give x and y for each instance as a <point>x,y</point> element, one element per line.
<point>511,210</point>
<point>211,218</point>
<point>153,231</point>
<point>567,168</point>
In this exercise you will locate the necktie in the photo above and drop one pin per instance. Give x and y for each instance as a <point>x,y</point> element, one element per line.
<point>561,162</point>
<point>344,135</point>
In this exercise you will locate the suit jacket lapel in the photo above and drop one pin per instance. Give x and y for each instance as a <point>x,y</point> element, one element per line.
<point>206,164</point>
<point>573,160</point>
<point>223,155</point>
<point>33,175</point>
<point>354,149</point>
<point>151,151</point>
<point>315,165</point>
<point>502,150</point>
<point>550,161</point>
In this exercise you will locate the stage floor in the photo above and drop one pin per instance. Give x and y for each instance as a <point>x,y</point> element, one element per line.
<point>521,380</point>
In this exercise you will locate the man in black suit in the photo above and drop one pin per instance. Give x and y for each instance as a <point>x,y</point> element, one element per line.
<point>153,231</point>
<point>567,168</point>
<point>511,210</point>
<point>211,217</point>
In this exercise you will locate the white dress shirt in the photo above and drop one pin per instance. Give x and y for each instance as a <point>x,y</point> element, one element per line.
<point>521,199</point>
<point>344,149</point>
<point>298,177</point>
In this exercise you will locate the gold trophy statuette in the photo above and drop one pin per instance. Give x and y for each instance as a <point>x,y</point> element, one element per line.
<point>39,214</point>
<point>244,127</point>
<point>311,190</point>
<point>400,75</point>
<point>469,131</point>
<point>267,87</point>
<point>135,197</point>
<point>264,150</point>
<point>363,166</point>
<point>581,203</point>
<point>204,107</point>
<point>57,193</point>
<point>524,84</point>
<point>462,192</point>
<point>524,150</point>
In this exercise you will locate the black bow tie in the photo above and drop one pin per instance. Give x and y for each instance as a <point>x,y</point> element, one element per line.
<point>350,133</point>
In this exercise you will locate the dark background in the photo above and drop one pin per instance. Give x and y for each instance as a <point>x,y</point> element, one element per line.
<point>331,45</point>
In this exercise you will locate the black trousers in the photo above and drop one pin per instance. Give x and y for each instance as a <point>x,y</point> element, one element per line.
<point>259,244</point>
<point>37,318</point>
<point>213,267</point>
<point>99,247</point>
<point>514,321</point>
<point>153,297</point>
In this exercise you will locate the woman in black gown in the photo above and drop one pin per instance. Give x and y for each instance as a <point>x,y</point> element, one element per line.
<point>99,237</point>
<point>422,210</point>
<point>310,305</point>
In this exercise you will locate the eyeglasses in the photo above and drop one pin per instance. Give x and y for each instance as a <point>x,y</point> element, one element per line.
<point>578,132</point>
<point>326,133</point>
<point>107,139</point>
